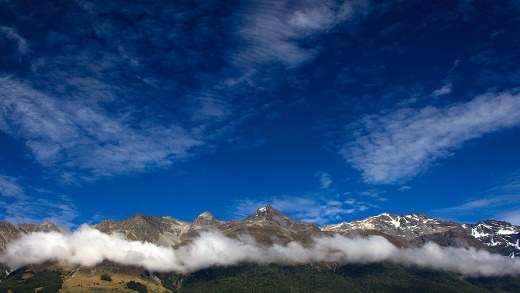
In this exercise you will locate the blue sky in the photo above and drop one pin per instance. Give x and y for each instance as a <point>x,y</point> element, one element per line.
<point>329,110</point>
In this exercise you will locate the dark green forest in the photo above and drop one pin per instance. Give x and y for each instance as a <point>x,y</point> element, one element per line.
<point>379,277</point>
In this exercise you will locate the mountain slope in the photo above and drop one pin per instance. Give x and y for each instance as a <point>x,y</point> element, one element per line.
<point>9,232</point>
<point>269,226</point>
<point>501,237</point>
<point>406,226</point>
<point>266,225</point>
<point>417,229</point>
<point>159,230</point>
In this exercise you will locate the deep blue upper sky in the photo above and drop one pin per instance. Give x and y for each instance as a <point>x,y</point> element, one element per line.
<point>329,110</point>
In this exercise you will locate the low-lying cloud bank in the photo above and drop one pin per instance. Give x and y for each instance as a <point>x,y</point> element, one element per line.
<point>88,247</point>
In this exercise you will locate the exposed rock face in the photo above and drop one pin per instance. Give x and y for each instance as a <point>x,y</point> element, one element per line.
<point>406,226</point>
<point>204,222</point>
<point>206,219</point>
<point>501,237</point>
<point>411,230</point>
<point>272,215</point>
<point>268,225</point>
<point>9,232</point>
<point>160,230</point>
<point>456,237</point>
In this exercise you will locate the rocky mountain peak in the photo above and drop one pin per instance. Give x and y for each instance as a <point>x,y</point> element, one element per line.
<point>138,216</point>
<point>267,213</point>
<point>204,219</point>
<point>268,221</point>
<point>47,227</point>
<point>164,230</point>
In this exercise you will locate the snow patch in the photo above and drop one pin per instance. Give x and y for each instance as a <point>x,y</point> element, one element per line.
<point>396,223</point>
<point>506,232</point>
<point>335,227</point>
<point>475,233</point>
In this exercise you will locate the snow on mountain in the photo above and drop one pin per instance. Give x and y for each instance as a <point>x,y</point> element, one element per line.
<point>501,237</point>
<point>406,226</point>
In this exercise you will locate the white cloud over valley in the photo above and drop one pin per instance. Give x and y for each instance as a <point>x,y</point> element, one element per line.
<point>89,247</point>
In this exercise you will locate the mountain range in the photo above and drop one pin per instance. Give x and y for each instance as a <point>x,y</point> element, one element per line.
<point>267,226</point>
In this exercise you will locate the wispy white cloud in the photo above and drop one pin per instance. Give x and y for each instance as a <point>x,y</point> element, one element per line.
<point>133,102</point>
<point>404,188</point>
<point>210,108</point>
<point>59,210</point>
<point>501,202</point>
<point>128,102</point>
<point>9,187</point>
<point>12,35</point>
<point>444,90</point>
<point>397,145</point>
<point>273,30</point>
<point>20,207</point>
<point>511,216</point>
<point>325,180</point>
<point>374,194</point>
<point>79,138</point>
<point>483,205</point>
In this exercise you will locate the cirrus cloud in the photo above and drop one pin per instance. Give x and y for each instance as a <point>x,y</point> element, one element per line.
<point>82,139</point>
<point>397,145</point>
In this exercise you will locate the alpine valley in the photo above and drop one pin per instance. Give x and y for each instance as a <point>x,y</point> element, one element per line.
<point>268,226</point>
